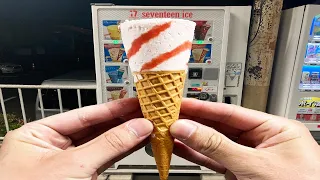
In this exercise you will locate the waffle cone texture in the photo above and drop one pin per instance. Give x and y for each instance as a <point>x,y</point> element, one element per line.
<point>160,95</point>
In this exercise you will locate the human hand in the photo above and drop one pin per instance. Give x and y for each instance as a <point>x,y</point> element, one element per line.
<point>245,144</point>
<point>75,145</point>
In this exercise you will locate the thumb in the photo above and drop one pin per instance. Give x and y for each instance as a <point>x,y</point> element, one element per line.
<point>210,143</point>
<point>113,143</point>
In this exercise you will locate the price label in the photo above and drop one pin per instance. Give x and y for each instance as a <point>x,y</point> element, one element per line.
<point>210,89</point>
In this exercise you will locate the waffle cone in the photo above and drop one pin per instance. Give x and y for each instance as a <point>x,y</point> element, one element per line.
<point>160,95</point>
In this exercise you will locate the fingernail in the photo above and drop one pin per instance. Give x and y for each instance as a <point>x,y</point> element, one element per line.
<point>140,127</point>
<point>182,129</point>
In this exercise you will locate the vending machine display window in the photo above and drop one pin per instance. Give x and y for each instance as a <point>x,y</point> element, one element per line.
<point>310,78</point>
<point>311,69</point>
<point>315,27</point>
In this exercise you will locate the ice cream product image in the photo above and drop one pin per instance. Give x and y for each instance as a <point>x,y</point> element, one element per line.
<point>201,30</point>
<point>115,93</point>
<point>114,53</point>
<point>199,55</point>
<point>116,74</point>
<point>111,30</point>
<point>158,51</point>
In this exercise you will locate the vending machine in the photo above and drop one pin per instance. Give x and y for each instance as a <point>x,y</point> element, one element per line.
<point>295,87</point>
<point>216,65</point>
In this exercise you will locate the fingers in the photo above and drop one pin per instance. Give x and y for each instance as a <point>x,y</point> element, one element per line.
<point>234,116</point>
<point>108,164</point>
<point>79,119</point>
<point>91,130</point>
<point>102,127</point>
<point>113,143</point>
<point>210,143</point>
<point>189,154</point>
<point>218,126</point>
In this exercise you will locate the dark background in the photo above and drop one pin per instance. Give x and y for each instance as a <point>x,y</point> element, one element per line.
<point>42,35</point>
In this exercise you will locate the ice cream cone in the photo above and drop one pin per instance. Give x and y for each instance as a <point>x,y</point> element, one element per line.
<point>160,95</point>
<point>159,71</point>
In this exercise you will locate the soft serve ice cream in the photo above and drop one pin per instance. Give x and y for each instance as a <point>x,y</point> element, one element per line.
<point>158,44</point>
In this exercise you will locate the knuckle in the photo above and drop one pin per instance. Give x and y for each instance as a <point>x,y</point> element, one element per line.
<point>114,141</point>
<point>109,108</point>
<point>83,119</point>
<point>211,144</point>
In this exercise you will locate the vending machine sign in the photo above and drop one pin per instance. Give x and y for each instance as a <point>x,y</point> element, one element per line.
<point>203,29</point>
<point>134,13</point>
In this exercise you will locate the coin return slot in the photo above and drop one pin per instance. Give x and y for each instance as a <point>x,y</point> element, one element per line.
<point>231,99</point>
<point>227,100</point>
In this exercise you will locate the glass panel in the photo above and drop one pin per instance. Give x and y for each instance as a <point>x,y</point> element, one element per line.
<point>310,79</point>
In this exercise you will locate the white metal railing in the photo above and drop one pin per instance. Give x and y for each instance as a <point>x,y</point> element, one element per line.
<point>39,94</point>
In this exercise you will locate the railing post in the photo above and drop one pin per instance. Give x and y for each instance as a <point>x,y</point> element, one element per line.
<point>4,111</point>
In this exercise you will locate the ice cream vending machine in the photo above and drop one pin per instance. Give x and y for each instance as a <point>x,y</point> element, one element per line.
<point>295,88</point>
<point>215,68</point>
